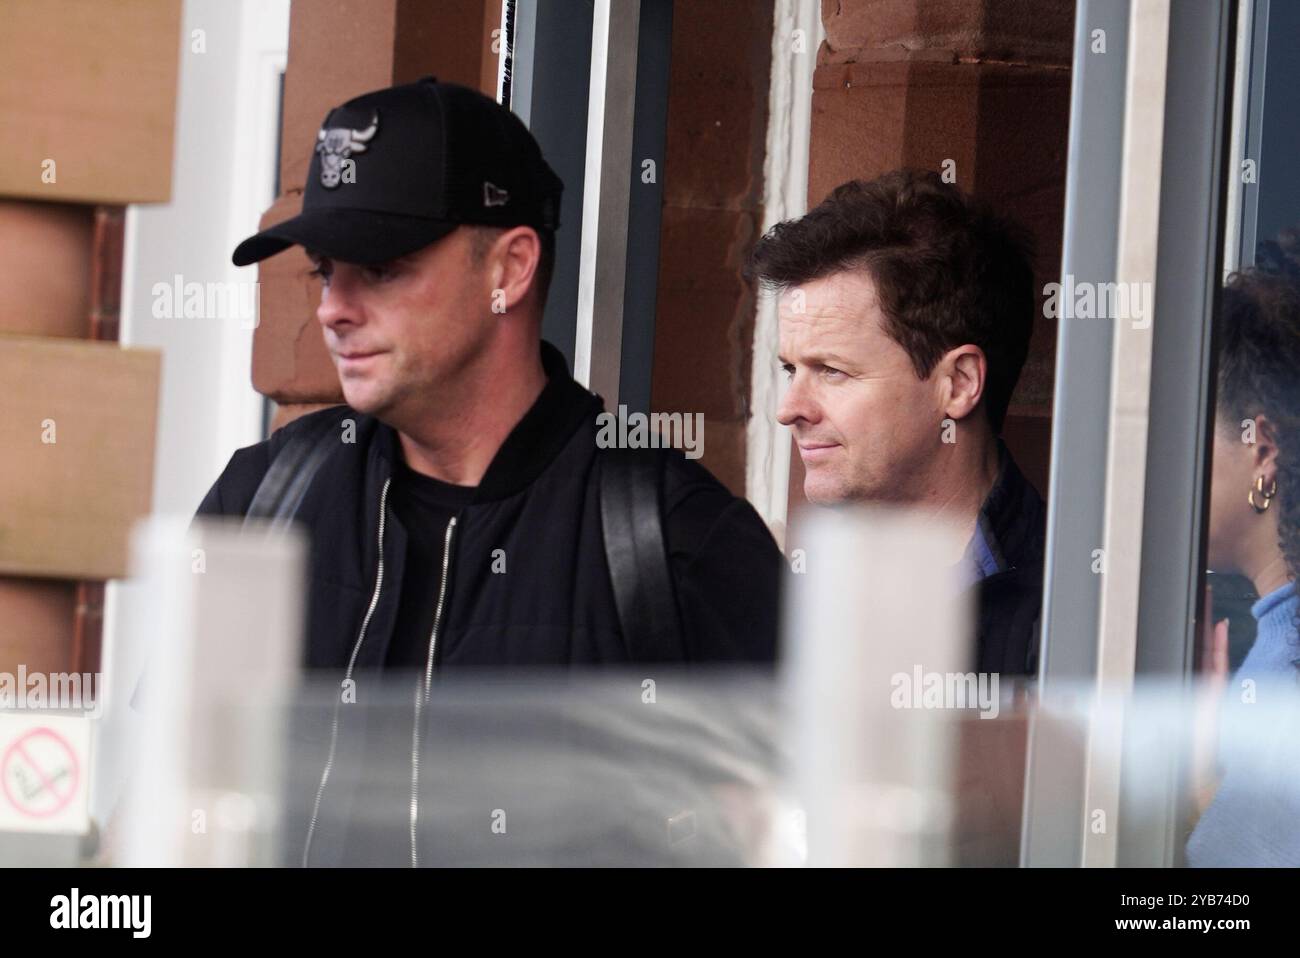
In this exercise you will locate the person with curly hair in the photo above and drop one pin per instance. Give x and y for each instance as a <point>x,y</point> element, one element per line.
<point>1255,532</point>
<point>1255,483</point>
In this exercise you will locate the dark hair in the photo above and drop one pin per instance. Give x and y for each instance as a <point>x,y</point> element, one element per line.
<point>1259,367</point>
<point>485,236</point>
<point>948,270</point>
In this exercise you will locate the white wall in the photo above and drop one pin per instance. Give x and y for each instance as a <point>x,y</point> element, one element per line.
<point>223,178</point>
<point>797,33</point>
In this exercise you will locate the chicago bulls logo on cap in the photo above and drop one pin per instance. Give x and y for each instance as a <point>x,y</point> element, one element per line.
<point>338,143</point>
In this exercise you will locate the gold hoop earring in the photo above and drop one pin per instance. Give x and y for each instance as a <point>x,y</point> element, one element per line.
<point>1266,495</point>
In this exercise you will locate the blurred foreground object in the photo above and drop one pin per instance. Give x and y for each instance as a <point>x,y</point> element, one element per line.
<point>553,767</point>
<point>877,639</point>
<point>220,613</point>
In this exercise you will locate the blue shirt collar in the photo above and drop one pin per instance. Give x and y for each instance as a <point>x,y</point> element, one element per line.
<point>1266,604</point>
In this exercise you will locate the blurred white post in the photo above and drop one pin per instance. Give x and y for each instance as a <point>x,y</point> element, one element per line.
<point>1131,418</point>
<point>220,614</point>
<point>874,755</point>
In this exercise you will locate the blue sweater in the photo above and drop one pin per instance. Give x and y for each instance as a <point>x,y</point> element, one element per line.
<point>1254,819</point>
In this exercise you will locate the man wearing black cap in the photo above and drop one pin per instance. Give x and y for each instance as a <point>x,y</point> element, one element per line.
<point>459,507</point>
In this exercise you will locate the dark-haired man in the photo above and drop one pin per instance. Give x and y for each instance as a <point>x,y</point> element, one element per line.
<point>905,320</point>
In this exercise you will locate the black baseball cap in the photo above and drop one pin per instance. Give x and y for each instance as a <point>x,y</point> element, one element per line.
<point>397,169</point>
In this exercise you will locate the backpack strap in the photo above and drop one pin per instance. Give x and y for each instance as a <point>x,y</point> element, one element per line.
<point>631,516</point>
<point>282,489</point>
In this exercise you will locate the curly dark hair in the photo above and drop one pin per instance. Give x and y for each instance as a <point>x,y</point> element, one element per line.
<point>1259,368</point>
<point>948,269</point>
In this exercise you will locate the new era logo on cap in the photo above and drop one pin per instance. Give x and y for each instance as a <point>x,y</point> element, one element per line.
<point>397,169</point>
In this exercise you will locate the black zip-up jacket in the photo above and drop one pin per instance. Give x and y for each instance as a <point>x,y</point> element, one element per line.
<point>538,501</point>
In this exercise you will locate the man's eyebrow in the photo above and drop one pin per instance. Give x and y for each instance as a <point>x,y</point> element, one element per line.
<point>821,359</point>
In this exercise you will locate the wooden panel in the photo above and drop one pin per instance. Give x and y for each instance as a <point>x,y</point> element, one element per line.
<point>67,506</point>
<point>91,86</point>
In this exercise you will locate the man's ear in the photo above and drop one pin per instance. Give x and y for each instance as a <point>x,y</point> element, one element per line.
<point>514,258</point>
<point>963,374</point>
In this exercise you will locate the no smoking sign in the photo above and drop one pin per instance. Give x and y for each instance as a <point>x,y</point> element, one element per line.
<point>44,760</point>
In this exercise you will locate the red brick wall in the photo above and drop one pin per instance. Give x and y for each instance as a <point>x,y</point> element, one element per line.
<point>713,196</point>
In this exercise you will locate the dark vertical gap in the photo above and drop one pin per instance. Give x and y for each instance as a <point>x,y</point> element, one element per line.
<point>1279,148</point>
<point>268,406</point>
<point>645,203</point>
<point>558,119</point>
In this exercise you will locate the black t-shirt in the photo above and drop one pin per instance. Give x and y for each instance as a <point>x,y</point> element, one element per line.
<point>424,506</point>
